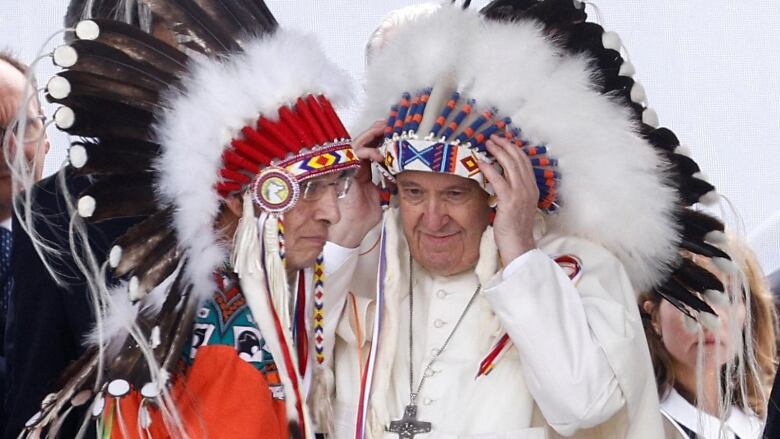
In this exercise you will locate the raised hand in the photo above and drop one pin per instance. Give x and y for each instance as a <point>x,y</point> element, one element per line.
<point>360,208</point>
<point>517,196</point>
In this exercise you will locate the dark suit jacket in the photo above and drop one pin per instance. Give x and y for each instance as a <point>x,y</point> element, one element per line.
<point>47,322</point>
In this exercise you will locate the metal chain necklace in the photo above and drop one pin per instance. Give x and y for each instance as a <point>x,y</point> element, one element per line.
<point>408,426</point>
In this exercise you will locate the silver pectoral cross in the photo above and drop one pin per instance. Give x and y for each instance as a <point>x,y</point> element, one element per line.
<point>408,425</point>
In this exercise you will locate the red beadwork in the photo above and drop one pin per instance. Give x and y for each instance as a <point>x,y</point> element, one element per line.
<point>311,122</point>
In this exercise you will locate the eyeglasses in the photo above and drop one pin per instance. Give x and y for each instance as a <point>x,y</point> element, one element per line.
<point>315,189</point>
<point>33,129</point>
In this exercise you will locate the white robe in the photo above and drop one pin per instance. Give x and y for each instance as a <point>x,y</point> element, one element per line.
<point>579,363</point>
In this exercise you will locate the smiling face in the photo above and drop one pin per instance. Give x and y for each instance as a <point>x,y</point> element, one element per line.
<point>443,217</point>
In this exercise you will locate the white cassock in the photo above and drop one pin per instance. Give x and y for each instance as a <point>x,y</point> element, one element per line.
<point>577,365</point>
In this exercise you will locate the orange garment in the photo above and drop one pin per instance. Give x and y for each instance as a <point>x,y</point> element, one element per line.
<point>219,396</point>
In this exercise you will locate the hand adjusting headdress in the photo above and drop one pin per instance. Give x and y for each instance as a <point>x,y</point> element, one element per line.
<point>239,106</point>
<point>538,73</point>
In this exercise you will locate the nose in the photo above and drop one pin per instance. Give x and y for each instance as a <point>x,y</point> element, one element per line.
<point>327,208</point>
<point>435,216</point>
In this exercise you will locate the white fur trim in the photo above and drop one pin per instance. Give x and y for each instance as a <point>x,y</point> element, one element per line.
<point>87,30</point>
<point>726,266</point>
<point>716,297</point>
<point>115,256</point>
<point>611,40</point>
<point>608,172</point>
<point>683,150</point>
<point>711,198</point>
<point>650,117</point>
<point>77,155</point>
<point>122,312</point>
<point>86,206</point>
<point>58,87</point>
<point>64,118</point>
<point>638,93</point>
<point>220,97</point>
<point>132,289</point>
<point>65,56</point>
<point>716,237</point>
<point>709,321</point>
<point>627,69</point>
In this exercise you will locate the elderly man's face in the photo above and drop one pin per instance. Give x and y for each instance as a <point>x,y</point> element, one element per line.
<point>35,144</point>
<point>306,224</point>
<point>443,218</point>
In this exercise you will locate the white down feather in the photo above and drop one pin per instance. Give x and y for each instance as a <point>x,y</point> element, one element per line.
<point>217,99</point>
<point>613,187</point>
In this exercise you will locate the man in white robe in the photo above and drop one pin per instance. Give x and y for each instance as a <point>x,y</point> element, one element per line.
<point>576,363</point>
<point>525,328</point>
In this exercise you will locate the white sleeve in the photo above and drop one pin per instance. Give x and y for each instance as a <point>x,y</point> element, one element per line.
<point>547,318</point>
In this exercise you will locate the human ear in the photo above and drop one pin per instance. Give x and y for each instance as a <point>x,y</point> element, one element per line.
<point>235,205</point>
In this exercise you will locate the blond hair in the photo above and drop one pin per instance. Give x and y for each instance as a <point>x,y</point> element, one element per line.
<point>759,337</point>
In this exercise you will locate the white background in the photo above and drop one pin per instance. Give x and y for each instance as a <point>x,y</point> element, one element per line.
<point>711,71</point>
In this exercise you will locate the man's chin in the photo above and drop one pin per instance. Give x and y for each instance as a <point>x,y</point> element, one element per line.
<point>440,264</point>
<point>301,261</point>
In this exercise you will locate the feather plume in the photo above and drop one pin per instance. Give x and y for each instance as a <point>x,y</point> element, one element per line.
<point>78,376</point>
<point>662,138</point>
<point>684,164</point>
<point>261,14</point>
<point>219,11</point>
<point>186,18</point>
<point>556,14</point>
<point>157,266</point>
<point>102,118</point>
<point>138,242</point>
<point>179,325</point>
<point>242,17</point>
<point>698,224</point>
<point>691,189</point>
<point>87,85</point>
<point>129,364</point>
<point>113,156</point>
<point>121,196</point>
<point>697,278</point>
<point>141,47</point>
<point>676,294</point>
<point>507,9</point>
<point>702,248</point>
<point>100,59</point>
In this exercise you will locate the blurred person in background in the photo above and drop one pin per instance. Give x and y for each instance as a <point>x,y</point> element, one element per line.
<point>14,91</point>
<point>49,315</point>
<point>713,381</point>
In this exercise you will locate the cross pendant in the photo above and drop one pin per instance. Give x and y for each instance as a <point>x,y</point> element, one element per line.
<point>408,425</point>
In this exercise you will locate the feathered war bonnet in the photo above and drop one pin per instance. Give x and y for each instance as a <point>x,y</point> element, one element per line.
<point>238,107</point>
<point>538,73</point>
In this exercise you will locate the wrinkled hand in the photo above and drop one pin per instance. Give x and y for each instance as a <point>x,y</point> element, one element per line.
<point>366,143</point>
<point>360,209</point>
<point>517,197</point>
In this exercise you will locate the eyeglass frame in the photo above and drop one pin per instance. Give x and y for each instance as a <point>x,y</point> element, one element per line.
<point>14,126</point>
<point>345,178</point>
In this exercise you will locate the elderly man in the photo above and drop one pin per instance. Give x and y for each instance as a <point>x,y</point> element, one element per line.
<point>15,94</point>
<point>497,299</point>
<point>237,159</point>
